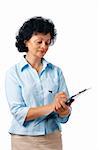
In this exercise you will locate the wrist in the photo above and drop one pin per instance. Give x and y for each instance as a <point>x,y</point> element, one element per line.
<point>52,106</point>
<point>65,113</point>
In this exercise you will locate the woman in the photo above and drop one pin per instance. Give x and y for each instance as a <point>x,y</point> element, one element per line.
<point>36,88</point>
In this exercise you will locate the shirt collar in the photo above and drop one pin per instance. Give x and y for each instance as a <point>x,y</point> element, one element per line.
<point>24,64</point>
<point>46,64</point>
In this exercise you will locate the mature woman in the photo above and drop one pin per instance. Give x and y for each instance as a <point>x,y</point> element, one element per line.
<point>35,88</point>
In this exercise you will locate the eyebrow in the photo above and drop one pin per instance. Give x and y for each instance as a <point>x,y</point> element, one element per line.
<point>42,39</point>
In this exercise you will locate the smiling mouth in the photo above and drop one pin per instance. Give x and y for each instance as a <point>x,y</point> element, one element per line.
<point>42,51</point>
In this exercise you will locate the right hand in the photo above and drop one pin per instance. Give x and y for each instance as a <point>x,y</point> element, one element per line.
<point>60,99</point>
<point>59,104</point>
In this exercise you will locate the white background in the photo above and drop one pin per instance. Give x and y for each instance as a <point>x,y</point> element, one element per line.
<point>75,51</point>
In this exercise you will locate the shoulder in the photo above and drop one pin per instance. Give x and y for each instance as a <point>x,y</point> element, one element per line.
<point>55,68</point>
<point>12,71</point>
<point>16,68</point>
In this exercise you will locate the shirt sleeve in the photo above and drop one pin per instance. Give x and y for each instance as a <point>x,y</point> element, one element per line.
<point>15,100</point>
<point>62,88</point>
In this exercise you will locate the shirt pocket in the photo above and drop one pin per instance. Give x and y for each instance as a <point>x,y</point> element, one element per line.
<point>51,91</point>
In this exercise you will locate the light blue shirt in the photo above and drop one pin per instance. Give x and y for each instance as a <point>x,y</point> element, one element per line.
<point>25,88</point>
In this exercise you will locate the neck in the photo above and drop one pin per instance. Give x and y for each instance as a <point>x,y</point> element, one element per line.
<point>35,62</point>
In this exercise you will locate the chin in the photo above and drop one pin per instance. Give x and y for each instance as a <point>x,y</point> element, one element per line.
<point>40,56</point>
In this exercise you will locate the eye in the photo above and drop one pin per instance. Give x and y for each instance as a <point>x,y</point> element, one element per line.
<point>47,43</point>
<point>39,42</point>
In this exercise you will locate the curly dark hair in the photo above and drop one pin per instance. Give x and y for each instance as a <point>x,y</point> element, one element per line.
<point>33,26</point>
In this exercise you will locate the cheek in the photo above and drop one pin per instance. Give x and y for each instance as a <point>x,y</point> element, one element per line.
<point>32,47</point>
<point>29,47</point>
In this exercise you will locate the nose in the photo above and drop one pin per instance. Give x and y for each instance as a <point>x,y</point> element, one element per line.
<point>43,45</point>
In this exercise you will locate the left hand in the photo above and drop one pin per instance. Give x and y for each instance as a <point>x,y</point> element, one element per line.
<point>64,112</point>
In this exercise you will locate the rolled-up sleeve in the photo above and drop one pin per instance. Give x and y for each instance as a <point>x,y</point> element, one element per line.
<point>62,88</point>
<point>63,119</point>
<point>16,103</point>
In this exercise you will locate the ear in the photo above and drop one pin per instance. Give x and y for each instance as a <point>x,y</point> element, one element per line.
<point>25,42</point>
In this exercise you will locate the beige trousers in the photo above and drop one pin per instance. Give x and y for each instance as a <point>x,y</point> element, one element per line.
<point>51,141</point>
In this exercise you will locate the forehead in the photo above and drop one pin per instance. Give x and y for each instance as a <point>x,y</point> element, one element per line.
<point>41,36</point>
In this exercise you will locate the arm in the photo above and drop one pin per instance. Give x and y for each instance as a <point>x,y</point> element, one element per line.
<point>36,112</point>
<point>63,110</point>
<point>18,107</point>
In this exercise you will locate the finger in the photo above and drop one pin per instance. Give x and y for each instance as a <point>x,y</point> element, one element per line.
<point>62,93</point>
<point>58,106</point>
<point>65,112</point>
<point>61,109</point>
<point>63,96</point>
<point>63,105</point>
<point>70,108</point>
<point>58,111</point>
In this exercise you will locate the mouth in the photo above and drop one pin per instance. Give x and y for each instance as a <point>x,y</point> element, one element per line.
<point>42,51</point>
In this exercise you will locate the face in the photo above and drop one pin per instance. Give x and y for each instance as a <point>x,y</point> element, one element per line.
<point>38,44</point>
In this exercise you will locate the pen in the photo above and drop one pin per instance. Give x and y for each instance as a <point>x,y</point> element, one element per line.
<point>68,102</point>
<point>50,91</point>
<point>71,99</point>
